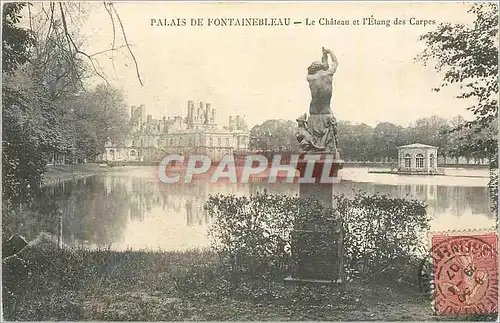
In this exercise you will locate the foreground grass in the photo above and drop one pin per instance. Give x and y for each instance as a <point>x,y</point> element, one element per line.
<point>151,286</point>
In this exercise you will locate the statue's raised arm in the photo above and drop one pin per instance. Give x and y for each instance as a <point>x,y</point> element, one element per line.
<point>335,63</point>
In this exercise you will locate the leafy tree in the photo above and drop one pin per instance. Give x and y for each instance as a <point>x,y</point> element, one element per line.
<point>355,141</point>
<point>22,136</point>
<point>46,108</point>
<point>345,138</point>
<point>106,110</point>
<point>468,55</point>
<point>27,134</point>
<point>386,138</point>
<point>16,41</point>
<point>274,136</point>
<point>432,131</point>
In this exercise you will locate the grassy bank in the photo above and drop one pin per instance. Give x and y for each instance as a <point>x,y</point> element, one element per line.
<point>151,286</point>
<point>59,173</point>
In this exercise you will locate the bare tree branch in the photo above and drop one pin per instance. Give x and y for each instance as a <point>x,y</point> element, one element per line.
<point>77,50</point>
<point>126,42</point>
<point>56,22</point>
<point>107,50</point>
<point>114,35</point>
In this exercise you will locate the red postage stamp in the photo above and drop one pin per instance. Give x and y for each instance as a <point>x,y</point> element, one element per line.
<point>465,274</point>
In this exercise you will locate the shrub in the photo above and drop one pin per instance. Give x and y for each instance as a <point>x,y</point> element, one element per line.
<point>383,235</point>
<point>251,233</point>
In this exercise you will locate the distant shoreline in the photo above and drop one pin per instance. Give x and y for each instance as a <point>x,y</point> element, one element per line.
<point>61,173</point>
<point>388,165</point>
<point>346,164</point>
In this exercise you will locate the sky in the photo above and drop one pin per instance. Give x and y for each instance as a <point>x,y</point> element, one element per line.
<point>260,72</point>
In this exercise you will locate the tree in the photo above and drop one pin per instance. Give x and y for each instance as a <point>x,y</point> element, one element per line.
<point>346,138</point>
<point>27,134</point>
<point>16,41</point>
<point>355,141</point>
<point>386,138</point>
<point>57,20</point>
<point>432,131</point>
<point>23,109</point>
<point>106,110</point>
<point>274,136</point>
<point>468,55</point>
<point>46,107</point>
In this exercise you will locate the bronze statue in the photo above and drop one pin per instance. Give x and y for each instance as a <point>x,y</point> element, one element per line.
<point>306,141</point>
<point>320,78</point>
<point>319,131</point>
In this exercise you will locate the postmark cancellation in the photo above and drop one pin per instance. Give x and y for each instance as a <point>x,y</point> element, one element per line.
<point>464,272</point>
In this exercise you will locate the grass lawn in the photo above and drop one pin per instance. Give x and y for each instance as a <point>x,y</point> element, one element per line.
<point>151,286</point>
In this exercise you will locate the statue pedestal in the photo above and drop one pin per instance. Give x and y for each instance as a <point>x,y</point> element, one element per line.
<point>317,248</point>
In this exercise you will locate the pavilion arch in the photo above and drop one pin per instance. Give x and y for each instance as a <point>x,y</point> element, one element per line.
<point>408,160</point>
<point>419,161</point>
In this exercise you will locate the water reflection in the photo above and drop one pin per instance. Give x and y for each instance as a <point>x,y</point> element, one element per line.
<point>131,208</point>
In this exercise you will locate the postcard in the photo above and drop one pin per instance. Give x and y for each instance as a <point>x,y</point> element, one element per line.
<point>249,161</point>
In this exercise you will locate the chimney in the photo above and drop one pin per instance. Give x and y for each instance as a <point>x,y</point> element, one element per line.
<point>237,122</point>
<point>189,111</point>
<point>132,108</point>
<point>207,113</point>
<point>150,119</point>
<point>213,115</point>
<point>230,122</point>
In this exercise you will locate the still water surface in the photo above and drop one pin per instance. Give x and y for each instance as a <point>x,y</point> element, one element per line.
<point>129,208</point>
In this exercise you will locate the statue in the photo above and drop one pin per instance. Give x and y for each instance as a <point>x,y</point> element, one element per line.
<point>320,78</point>
<point>319,131</point>
<point>305,139</point>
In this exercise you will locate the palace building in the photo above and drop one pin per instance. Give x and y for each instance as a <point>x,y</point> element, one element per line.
<point>196,133</point>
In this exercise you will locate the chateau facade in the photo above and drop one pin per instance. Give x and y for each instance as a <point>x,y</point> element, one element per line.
<point>197,133</point>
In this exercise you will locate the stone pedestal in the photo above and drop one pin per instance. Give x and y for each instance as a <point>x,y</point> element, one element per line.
<point>316,245</point>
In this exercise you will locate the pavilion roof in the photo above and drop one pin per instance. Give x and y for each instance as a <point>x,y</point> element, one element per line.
<point>417,145</point>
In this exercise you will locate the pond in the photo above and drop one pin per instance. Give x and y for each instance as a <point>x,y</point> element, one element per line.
<point>128,208</point>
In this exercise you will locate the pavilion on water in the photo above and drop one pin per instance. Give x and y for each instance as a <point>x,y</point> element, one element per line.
<point>417,159</point>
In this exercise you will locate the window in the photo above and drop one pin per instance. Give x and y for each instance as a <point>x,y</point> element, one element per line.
<point>171,142</point>
<point>431,161</point>
<point>407,161</point>
<point>218,142</point>
<point>227,142</point>
<point>132,153</point>
<point>420,161</point>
